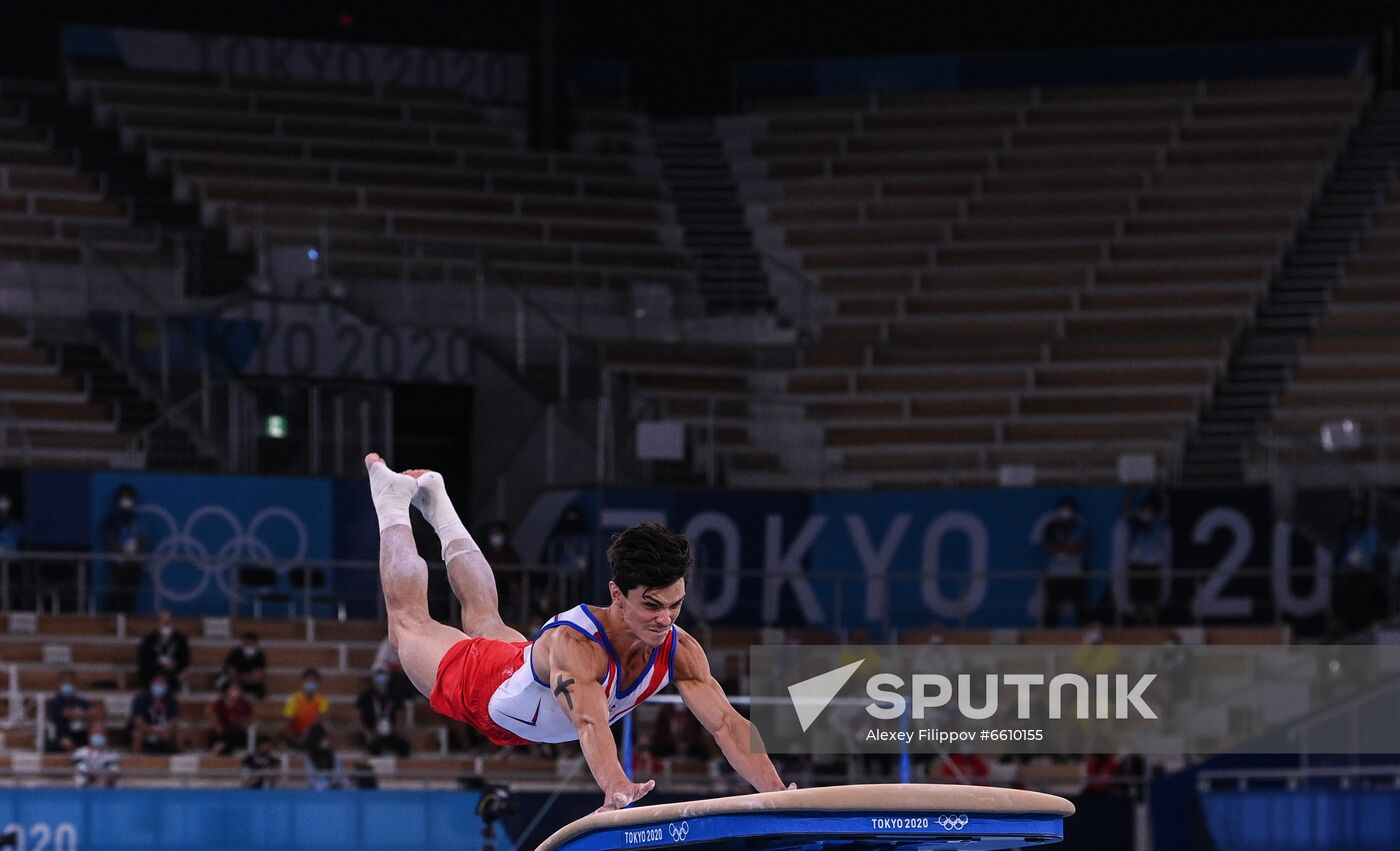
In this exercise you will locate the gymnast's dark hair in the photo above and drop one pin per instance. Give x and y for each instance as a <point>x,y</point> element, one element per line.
<point>648,555</point>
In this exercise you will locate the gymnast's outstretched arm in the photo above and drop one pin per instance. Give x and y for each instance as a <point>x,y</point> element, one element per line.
<point>704,696</point>
<point>575,667</point>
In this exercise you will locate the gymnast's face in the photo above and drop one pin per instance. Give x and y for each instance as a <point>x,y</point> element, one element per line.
<point>649,612</point>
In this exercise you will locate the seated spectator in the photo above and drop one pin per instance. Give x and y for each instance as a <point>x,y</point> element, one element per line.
<point>247,664</point>
<point>230,713</point>
<point>155,719</point>
<point>164,651</point>
<point>386,658</point>
<point>1101,771</point>
<point>69,717</point>
<point>962,767</point>
<point>380,716</point>
<point>323,769</point>
<point>644,762</point>
<point>93,763</point>
<point>262,767</point>
<point>306,708</point>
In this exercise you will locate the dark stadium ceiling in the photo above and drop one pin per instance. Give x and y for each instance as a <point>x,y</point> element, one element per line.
<point>734,28</point>
<point>680,50</point>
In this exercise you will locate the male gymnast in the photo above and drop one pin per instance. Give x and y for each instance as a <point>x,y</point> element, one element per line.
<point>586,668</point>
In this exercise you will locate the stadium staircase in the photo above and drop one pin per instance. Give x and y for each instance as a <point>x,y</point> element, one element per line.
<point>1267,351</point>
<point>168,446</point>
<point>717,238</point>
<point>212,268</point>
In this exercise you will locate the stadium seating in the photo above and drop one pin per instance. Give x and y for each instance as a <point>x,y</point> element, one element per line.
<point>47,417</point>
<point>399,185</point>
<point>1044,277</point>
<point>1350,368</point>
<point>51,213</point>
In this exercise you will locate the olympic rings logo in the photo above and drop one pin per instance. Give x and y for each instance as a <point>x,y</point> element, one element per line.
<point>957,822</point>
<point>679,831</point>
<point>183,546</point>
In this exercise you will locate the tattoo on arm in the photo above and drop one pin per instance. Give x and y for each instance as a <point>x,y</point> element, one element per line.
<point>562,687</point>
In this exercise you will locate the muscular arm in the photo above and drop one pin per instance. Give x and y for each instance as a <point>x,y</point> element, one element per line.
<point>575,667</point>
<point>732,731</point>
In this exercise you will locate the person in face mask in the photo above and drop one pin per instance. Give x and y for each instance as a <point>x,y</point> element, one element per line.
<point>155,719</point>
<point>68,717</point>
<point>126,539</point>
<point>230,714</point>
<point>381,713</point>
<point>498,549</point>
<point>1145,512</point>
<point>1360,591</point>
<point>164,651</point>
<point>247,665</point>
<point>11,529</point>
<point>95,764</point>
<point>1065,542</point>
<point>306,707</point>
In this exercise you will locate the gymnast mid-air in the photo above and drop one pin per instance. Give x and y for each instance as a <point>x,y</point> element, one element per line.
<point>586,668</point>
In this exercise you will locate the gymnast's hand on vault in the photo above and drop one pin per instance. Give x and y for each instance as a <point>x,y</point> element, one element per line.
<point>620,797</point>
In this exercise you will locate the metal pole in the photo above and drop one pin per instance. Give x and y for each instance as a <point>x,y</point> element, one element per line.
<point>388,419</point>
<point>520,323</point>
<point>313,437</point>
<point>563,365</point>
<point>364,428</point>
<point>550,426</point>
<point>904,748</point>
<point>627,745</point>
<point>165,355</point>
<point>233,447</point>
<point>480,289</point>
<point>204,401</point>
<point>710,471</point>
<point>338,413</point>
<point>600,459</point>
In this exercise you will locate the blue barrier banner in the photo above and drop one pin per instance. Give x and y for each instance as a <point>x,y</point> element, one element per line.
<point>202,530</point>
<point>794,559</point>
<point>178,819</point>
<point>937,548</point>
<point>912,559</point>
<point>1304,819</point>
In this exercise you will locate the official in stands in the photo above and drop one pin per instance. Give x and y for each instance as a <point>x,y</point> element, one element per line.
<point>381,714</point>
<point>1065,542</point>
<point>1360,588</point>
<point>164,651</point>
<point>125,537</point>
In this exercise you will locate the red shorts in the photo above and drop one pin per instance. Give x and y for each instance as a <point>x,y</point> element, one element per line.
<point>470,672</point>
